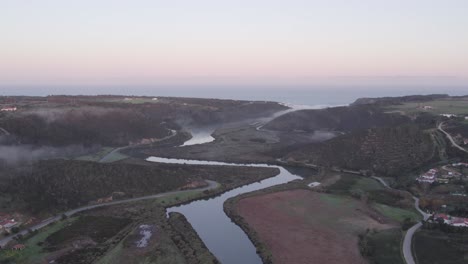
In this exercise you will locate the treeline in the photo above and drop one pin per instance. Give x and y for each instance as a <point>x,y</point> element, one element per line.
<point>344,119</point>
<point>59,185</point>
<point>399,100</point>
<point>87,126</point>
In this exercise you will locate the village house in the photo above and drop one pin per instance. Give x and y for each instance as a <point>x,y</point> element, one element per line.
<point>448,115</point>
<point>429,177</point>
<point>452,221</point>
<point>9,109</point>
<point>18,247</point>
<point>105,200</point>
<point>460,164</point>
<point>457,221</point>
<point>7,222</point>
<point>444,217</point>
<point>7,225</point>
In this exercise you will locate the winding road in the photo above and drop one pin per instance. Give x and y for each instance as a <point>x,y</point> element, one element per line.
<point>439,127</point>
<point>108,157</point>
<point>407,252</point>
<point>6,240</point>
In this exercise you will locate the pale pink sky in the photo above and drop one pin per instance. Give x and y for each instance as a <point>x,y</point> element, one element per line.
<point>232,42</point>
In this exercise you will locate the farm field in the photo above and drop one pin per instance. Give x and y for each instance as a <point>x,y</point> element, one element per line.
<point>455,106</point>
<point>437,247</point>
<point>313,227</point>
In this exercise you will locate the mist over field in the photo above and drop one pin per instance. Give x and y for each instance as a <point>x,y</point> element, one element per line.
<point>17,154</point>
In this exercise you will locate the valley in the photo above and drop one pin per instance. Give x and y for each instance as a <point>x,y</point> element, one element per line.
<point>263,164</point>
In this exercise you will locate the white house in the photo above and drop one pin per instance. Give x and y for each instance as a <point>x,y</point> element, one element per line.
<point>9,109</point>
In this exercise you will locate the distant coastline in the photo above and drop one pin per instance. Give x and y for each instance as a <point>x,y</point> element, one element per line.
<point>301,95</point>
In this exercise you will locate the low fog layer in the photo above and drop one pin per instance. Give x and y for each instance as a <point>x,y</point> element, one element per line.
<point>53,114</point>
<point>26,153</point>
<point>319,136</point>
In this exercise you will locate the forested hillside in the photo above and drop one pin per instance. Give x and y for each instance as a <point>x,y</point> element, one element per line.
<point>336,119</point>
<point>387,151</point>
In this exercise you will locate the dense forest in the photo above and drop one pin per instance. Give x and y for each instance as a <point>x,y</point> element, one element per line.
<point>384,150</point>
<point>336,119</point>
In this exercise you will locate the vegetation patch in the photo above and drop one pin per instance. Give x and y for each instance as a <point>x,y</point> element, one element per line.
<point>34,245</point>
<point>97,156</point>
<point>388,197</point>
<point>437,247</point>
<point>188,242</point>
<point>397,214</point>
<point>98,228</point>
<point>344,184</point>
<point>444,106</point>
<point>382,247</point>
<point>367,185</point>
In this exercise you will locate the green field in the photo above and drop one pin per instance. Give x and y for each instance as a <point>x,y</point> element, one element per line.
<point>344,184</point>
<point>366,184</point>
<point>115,156</point>
<point>397,214</point>
<point>386,246</point>
<point>457,107</point>
<point>437,247</point>
<point>98,228</point>
<point>96,156</point>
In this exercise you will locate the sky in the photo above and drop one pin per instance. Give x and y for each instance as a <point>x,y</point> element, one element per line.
<point>243,42</point>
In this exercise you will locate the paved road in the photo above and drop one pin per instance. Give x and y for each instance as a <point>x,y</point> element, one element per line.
<point>6,240</point>
<point>407,252</point>
<point>439,127</point>
<point>382,182</point>
<point>107,158</point>
<point>4,131</point>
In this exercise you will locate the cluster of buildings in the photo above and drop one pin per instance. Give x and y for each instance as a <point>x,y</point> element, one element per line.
<point>451,220</point>
<point>429,177</point>
<point>7,222</point>
<point>442,175</point>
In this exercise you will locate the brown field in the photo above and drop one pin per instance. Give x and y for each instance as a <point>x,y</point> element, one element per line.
<point>301,226</point>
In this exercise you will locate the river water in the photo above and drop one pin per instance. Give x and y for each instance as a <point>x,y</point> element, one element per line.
<point>199,136</point>
<point>224,239</point>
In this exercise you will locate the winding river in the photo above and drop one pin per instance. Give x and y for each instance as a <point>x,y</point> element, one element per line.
<point>224,239</point>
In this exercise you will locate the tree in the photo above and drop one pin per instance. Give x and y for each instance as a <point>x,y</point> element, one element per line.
<point>64,217</point>
<point>407,223</point>
<point>15,230</point>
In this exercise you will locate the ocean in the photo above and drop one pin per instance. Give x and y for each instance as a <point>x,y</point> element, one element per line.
<point>310,96</point>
